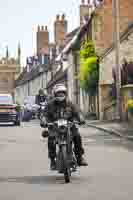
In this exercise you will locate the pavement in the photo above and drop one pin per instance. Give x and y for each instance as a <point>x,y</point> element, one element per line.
<point>25,174</point>
<point>122,129</point>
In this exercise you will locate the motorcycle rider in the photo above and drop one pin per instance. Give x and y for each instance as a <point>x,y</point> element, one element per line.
<point>58,107</point>
<point>41,97</point>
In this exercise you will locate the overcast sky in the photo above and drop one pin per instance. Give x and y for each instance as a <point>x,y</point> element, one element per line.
<point>19,18</point>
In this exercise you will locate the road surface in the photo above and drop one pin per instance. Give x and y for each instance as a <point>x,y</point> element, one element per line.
<point>25,174</point>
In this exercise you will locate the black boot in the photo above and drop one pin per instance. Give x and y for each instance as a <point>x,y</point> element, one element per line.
<point>53,164</point>
<point>82,162</point>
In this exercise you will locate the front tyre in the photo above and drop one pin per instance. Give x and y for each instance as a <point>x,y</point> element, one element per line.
<point>67,175</point>
<point>67,171</point>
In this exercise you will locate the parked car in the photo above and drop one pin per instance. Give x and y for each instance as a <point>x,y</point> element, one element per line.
<point>9,111</point>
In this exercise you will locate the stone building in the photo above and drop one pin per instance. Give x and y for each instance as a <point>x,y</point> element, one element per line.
<point>30,82</point>
<point>9,71</point>
<point>107,104</point>
<point>102,35</point>
<point>39,75</point>
<point>103,23</point>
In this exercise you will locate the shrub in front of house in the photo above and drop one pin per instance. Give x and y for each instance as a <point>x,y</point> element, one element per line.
<point>130,106</point>
<point>89,68</point>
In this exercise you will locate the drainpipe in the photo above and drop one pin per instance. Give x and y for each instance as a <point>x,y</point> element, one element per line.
<point>28,88</point>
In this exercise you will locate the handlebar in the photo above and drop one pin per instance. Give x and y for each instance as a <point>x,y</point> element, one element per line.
<point>69,122</point>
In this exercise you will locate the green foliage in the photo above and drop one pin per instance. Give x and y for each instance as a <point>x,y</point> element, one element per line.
<point>130,105</point>
<point>89,68</point>
<point>88,50</point>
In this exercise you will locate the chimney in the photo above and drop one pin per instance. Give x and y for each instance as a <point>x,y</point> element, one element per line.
<point>63,17</point>
<point>57,17</point>
<point>85,11</point>
<point>60,29</point>
<point>38,28</point>
<point>42,28</point>
<point>42,40</point>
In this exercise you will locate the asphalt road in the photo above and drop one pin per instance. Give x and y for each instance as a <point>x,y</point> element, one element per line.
<point>25,174</point>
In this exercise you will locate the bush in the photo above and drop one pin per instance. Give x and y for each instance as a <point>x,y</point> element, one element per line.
<point>130,105</point>
<point>89,68</point>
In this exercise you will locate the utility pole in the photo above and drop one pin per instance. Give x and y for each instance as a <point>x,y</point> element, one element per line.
<point>116,18</point>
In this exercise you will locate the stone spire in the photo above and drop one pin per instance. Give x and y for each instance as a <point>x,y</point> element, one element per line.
<point>19,53</point>
<point>7,53</point>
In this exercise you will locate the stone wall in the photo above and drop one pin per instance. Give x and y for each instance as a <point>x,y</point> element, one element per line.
<point>110,113</point>
<point>103,22</point>
<point>108,63</point>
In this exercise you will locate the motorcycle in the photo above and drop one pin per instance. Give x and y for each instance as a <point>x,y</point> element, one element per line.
<point>41,112</point>
<point>66,161</point>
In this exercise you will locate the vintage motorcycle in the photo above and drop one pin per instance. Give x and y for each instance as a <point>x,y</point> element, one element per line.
<point>66,161</point>
<point>41,112</point>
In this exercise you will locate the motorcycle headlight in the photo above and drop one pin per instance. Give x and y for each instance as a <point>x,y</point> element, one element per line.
<point>43,107</point>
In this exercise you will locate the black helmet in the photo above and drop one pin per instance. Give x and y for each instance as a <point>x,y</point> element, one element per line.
<point>41,92</point>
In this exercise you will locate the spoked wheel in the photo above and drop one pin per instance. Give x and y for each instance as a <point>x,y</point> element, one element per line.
<point>67,170</point>
<point>67,175</point>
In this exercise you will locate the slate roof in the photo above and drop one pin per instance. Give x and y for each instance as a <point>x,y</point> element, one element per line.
<point>60,75</point>
<point>27,76</point>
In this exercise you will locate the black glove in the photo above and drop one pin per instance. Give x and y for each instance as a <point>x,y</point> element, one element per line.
<point>43,125</point>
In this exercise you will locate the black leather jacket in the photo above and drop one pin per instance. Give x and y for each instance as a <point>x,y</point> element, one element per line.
<point>66,109</point>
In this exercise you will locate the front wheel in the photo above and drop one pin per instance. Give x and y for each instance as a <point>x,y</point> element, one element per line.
<point>67,175</point>
<point>67,171</point>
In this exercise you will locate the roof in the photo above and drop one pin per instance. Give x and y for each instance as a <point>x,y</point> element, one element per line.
<point>78,35</point>
<point>72,33</point>
<point>57,77</point>
<point>69,38</point>
<point>27,76</point>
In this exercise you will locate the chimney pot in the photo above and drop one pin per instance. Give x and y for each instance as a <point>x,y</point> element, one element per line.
<point>42,28</point>
<point>63,17</point>
<point>46,28</point>
<point>57,17</point>
<point>38,28</point>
